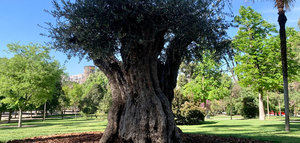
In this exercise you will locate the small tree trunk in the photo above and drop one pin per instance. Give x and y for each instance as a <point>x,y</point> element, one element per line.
<point>0,116</point>
<point>295,110</point>
<point>230,112</point>
<point>282,20</point>
<point>261,106</point>
<point>16,114</point>
<point>45,110</point>
<point>30,113</point>
<point>268,108</point>
<point>9,116</point>
<point>20,118</point>
<point>231,105</point>
<point>74,110</point>
<point>62,113</point>
<point>279,107</point>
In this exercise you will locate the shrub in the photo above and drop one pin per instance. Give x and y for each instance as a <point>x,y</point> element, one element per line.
<point>249,108</point>
<point>187,111</point>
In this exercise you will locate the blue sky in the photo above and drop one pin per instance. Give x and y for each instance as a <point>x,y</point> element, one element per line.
<point>19,21</point>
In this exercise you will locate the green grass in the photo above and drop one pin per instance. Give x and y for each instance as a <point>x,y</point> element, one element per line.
<point>49,127</point>
<point>271,129</point>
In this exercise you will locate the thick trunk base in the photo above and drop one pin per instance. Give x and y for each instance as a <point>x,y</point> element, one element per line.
<point>142,120</point>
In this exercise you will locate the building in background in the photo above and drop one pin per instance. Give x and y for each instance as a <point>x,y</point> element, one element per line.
<point>81,78</point>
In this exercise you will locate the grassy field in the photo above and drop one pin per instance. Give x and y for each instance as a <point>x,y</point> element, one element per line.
<point>271,129</point>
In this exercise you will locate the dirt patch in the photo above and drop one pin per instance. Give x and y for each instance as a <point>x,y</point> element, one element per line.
<point>94,137</point>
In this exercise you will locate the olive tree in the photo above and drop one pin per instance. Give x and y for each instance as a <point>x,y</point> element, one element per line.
<point>139,45</point>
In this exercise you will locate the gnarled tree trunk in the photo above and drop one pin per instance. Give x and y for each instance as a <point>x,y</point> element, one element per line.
<point>140,112</point>
<point>142,93</point>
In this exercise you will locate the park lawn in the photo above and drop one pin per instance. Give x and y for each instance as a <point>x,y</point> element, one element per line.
<point>35,128</point>
<point>271,129</point>
<point>268,130</point>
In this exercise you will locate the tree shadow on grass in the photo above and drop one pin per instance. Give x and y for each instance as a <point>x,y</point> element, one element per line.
<point>39,123</point>
<point>224,126</point>
<point>261,137</point>
<point>294,127</point>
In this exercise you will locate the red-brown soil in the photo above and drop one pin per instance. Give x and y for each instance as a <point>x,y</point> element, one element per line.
<point>93,137</point>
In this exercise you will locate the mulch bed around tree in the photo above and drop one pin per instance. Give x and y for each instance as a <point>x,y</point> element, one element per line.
<point>91,137</point>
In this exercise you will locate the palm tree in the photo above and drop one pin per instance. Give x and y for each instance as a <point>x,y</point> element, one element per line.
<point>283,5</point>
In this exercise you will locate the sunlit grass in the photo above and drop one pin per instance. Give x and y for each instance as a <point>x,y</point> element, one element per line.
<point>270,129</point>
<point>49,127</point>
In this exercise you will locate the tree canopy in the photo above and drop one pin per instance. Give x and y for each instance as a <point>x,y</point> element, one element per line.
<point>29,77</point>
<point>139,46</point>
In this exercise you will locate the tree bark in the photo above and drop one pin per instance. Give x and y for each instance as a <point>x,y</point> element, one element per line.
<point>0,116</point>
<point>261,106</point>
<point>20,118</point>
<point>62,113</point>
<point>141,111</point>
<point>231,107</point>
<point>30,113</point>
<point>282,21</point>
<point>45,110</point>
<point>279,106</point>
<point>268,108</point>
<point>9,116</point>
<point>75,111</point>
<point>295,109</point>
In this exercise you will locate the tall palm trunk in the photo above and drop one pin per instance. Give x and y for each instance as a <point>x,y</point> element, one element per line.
<point>282,20</point>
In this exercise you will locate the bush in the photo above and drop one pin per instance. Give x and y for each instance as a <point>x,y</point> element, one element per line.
<point>187,111</point>
<point>249,108</point>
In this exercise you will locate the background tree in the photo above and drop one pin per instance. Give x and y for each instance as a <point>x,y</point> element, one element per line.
<point>64,100</point>
<point>95,88</point>
<point>28,77</point>
<point>75,96</point>
<point>282,6</point>
<point>139,46</point>
<point>254,53</point>
<point>209,82</point>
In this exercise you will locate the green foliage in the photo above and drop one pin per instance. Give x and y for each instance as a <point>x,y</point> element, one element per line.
<point>208,83</point>
<point>102,28</point>
<point>187,111</point>
<point>258,52</point>
<point>249,109</point>
<point>105,103</point>
<point>95,90</point>
<point>76,94</point>
<point>257,55</point>
<point>29,77</point>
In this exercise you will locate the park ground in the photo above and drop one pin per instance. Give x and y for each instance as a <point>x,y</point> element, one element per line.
<point>269,130</point>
